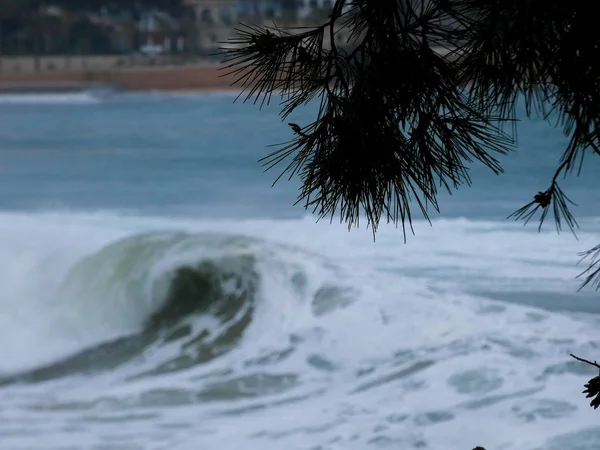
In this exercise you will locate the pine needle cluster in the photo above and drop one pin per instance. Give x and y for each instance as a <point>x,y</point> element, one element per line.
<point>418,91</point>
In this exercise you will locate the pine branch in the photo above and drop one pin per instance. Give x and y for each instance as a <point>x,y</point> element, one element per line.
<point>592,387</point>
<point>394,123</point>
<point>592,273</point>
<point>270,60</point>
<point>553,196</point>
<point>545,55</point>
<point>397,121</point>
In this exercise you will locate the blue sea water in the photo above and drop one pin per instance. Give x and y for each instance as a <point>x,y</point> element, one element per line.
<point>158,293</point>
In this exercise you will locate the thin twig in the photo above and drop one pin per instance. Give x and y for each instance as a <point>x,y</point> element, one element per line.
<point>595,364</point>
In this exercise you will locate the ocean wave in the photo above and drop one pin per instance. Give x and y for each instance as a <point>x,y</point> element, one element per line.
<point>247,328</point>
<point>199,290</point>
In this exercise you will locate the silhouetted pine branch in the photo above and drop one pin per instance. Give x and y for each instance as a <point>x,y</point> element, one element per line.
<point>592,387</point>
<point>421,89</point>
<point>592,274</point>
<point>552,197</point>
<point>394,123</point>
<point>265,60</point>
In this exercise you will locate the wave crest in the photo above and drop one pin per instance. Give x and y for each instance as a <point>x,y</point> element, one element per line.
<point>196,290</point>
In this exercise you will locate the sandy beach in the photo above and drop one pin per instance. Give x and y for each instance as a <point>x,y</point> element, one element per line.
<point>59,74</point>
<point>205,77</point>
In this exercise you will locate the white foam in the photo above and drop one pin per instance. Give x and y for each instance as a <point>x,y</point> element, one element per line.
<point>77,98</point>
<point>393,355</point>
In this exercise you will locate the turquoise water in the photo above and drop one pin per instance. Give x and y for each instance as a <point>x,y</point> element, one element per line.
<point>178,154</point>
<point>157,292</point>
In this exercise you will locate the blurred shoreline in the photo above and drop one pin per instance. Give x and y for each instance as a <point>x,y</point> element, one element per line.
<point>77,74</point>
<point>195,77</point>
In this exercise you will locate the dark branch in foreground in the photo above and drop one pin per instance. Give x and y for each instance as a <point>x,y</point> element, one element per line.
<point>552,196</point>
<point>395,123</point>
<point>416,92</point>
<point>592,273</point>
<point>592,387</point>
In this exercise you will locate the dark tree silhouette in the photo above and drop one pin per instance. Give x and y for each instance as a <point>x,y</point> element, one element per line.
<point>427,87</point>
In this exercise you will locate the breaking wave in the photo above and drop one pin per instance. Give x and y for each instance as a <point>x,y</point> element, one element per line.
<point>199,291</point>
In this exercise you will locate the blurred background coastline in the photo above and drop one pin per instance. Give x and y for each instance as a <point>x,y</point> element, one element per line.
<point>70,46</point>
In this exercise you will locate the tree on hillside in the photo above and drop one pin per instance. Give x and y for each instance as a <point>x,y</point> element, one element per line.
<point>427,87</point>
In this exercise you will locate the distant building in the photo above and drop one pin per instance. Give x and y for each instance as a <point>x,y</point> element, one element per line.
<point>215,19</point>
<point>213,23</point>
<point>307,6</point>
<point>214,12</point>
<point>227,12</point>
<point>265,9</point>
<point>158,33</point>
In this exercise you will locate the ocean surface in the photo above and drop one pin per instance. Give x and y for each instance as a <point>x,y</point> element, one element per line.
<point>157,293</point>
